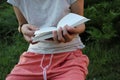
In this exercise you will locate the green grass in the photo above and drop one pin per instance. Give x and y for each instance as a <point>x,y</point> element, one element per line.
<point>9,53</point>
<point>104,61</point>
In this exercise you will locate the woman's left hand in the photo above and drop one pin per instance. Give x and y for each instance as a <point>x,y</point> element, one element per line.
<point>65,34</point>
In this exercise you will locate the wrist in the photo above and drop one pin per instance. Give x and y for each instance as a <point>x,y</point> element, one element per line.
<point>20,28</point>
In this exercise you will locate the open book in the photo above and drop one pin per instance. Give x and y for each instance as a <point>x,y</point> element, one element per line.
<point>70,19</point>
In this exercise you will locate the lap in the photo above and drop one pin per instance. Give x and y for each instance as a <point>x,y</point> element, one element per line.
<point>65,66</point>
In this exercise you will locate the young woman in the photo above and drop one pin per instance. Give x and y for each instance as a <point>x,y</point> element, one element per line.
<point>59,58</point>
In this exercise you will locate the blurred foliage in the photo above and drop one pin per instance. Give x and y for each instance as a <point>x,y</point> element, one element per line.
<point>8,22</point>
<point>105,20</point>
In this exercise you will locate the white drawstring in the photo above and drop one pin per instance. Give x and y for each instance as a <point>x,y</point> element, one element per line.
<point>46,67</point>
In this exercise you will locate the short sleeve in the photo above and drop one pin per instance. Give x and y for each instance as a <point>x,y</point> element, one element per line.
<point>72,1</point>
<point>12,2</point>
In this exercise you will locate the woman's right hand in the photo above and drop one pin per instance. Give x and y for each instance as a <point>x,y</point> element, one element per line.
<point>28,32</point>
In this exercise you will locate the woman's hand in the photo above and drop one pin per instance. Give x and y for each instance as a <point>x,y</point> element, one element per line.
<point>65,34</point>
<point>28,32</point>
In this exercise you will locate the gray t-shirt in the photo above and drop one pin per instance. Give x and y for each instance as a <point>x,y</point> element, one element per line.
<point>47,13</point>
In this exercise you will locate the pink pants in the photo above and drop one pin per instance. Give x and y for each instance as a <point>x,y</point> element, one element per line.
<point>62,66</point>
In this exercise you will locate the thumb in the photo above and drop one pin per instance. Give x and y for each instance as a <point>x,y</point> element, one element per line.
<point>33,28</point>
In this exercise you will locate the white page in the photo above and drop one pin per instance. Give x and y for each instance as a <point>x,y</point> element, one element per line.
<point>72,20</point>
<point>44,30</point>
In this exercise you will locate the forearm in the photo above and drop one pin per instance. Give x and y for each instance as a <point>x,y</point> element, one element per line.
<point>21,19</point>
<point>78,8</point>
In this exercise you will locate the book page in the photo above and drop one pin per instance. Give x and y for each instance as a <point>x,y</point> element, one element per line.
<point>72,20</point>
<point>44,30</point>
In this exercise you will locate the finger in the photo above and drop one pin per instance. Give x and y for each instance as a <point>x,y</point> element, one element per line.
<point>32,28</point>
<point>66,35</point>
<point>60,35</point>
<point>27,38</point>
<point>71,30</point>
<point>26,30</point>
<point>29,33</point>
<point>55,35</point>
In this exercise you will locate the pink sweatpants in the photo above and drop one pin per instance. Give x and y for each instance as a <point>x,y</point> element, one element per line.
<point>62,66</point>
